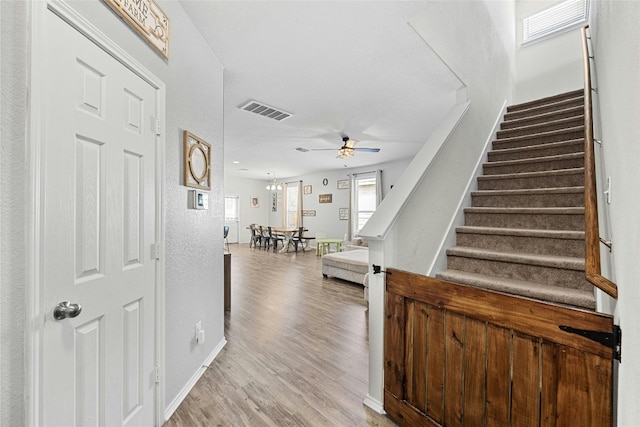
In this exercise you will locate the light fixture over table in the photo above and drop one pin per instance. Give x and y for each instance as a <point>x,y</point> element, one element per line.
<point>273,186</point>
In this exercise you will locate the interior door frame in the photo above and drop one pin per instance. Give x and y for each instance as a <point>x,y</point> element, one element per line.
<point>35,311</point>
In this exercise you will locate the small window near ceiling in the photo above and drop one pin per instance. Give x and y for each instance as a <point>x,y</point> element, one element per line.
<point>563,16</point>
<point>231,208</point>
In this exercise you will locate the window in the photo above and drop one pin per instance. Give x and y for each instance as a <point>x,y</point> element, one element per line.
<point>292,205</point>
<point>231,208</point>
<point>563,16</point>
<point>365,199</point>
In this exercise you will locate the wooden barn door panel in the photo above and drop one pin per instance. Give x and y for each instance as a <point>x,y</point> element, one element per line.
<point>459,356</point>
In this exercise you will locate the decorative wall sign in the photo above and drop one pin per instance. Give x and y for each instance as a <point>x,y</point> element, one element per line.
<point>309,213</point>
<point>146,17</point>
<point>307,189</point>
<point>255,202</point>
<point>325,182</point>
<point>343,184</point>
<point>274,202</point>
<point>343,213</point>
<point>325,198</point>
<point>197,162</point>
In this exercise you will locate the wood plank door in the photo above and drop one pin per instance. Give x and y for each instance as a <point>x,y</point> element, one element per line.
<point>461,356</point>
<point>98,233</point>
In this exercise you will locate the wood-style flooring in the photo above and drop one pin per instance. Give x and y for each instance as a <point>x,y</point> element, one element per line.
<point>297,350</point>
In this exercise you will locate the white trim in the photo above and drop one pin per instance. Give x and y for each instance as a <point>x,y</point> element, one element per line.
<point>449,238</point>
<point>182,394</point>
<point>374,404</point>
<point>35,113</point>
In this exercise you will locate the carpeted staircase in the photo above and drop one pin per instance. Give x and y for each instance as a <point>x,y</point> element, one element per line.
<point>524,233</point>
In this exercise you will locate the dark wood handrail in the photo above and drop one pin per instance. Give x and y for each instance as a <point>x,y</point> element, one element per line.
<point>592,233</point>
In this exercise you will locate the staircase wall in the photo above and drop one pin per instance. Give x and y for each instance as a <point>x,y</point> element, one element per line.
<point>487,69</point>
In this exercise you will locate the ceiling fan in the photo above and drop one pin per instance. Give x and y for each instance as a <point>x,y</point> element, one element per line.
<point>347,150</point>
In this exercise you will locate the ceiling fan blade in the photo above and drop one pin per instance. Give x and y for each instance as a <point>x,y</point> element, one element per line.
<point>367,150</point>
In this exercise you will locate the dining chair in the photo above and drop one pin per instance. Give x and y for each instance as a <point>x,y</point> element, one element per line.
<point>255,237</point>
<point>275,238</point>
<point>226,240</point>
<point>300,239</point>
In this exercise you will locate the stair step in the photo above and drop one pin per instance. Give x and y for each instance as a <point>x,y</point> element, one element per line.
<point>536,164</point>
<point>542,150</point>
<point>540,138</point>
<point>555,100</point>
<point>565,272</point>
<point>509,123</point>
<point>542,127</point>
<point>543,179</point>
<point>532,198</point>
<point>549,242</point>
<point>570,297</point>
<point>533,218</point>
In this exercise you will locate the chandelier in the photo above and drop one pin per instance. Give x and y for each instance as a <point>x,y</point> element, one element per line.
<point>273,186</point>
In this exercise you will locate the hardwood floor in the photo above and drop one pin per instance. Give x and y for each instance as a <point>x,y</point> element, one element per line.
<point>297,351</point>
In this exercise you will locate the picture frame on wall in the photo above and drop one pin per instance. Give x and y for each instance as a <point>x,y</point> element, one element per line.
<point>197,162</point>
<point>274,202</point>
<point>325,198</point>
<point>343,184</point>
<point>343,213</point>
<point>255,201</point>
<point>307,189</point>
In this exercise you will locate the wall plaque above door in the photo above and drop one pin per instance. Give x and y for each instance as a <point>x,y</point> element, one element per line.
<point>146,17</point>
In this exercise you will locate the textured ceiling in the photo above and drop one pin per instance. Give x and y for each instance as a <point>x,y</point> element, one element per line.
<point>341,68</point>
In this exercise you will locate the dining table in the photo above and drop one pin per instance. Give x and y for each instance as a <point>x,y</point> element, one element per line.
<point>286,232</point>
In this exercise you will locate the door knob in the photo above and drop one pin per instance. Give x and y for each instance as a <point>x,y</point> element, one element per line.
<point>66,310</point>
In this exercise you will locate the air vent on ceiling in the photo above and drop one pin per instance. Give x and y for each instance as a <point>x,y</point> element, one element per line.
<point>265,110</point>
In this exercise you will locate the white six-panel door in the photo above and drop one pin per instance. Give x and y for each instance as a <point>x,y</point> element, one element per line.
<point>98,236</point>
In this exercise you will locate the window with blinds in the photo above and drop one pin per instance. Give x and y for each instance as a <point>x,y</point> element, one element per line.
<point>561,17</point>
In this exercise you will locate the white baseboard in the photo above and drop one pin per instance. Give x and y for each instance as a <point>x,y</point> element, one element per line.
<point>374,404</point>
<point>171,408</point>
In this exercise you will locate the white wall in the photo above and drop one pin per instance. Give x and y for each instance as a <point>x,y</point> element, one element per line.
<point>327,214</point>
<point>13,63</point>
<point>546,67</point>
<point>246,188</point>
<point>616,38</point>
<point>193,249</point>
<point>479,48</point>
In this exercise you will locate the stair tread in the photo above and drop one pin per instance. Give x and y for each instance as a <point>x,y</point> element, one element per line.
<point>554,261</point>
<point>529,191</point>
<point>544,146</point>
<point>524,232</point>
<point>578,110</point>
<point>568,296</point>
<point>562,98</point>
<point>542,159</point>
<point>567,171</point>
<point>551,210</point>
<point>538,135</point>
<point>533,126</point>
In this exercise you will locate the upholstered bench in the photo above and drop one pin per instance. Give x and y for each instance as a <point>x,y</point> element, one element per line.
<point>348,265</point>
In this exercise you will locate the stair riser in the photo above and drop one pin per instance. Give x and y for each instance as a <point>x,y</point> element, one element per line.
<point>534,152</point>
<point>571,222</point>
<point>536,166</point>
<point>499,144</point>
<point>539,128</point>
<point>543,181</point>
<point>529,200</point>
<point>573,279</point>
<point>523,244</point>
<point>518,112</point>
<point>575,298</point>
<point>543,118</point>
